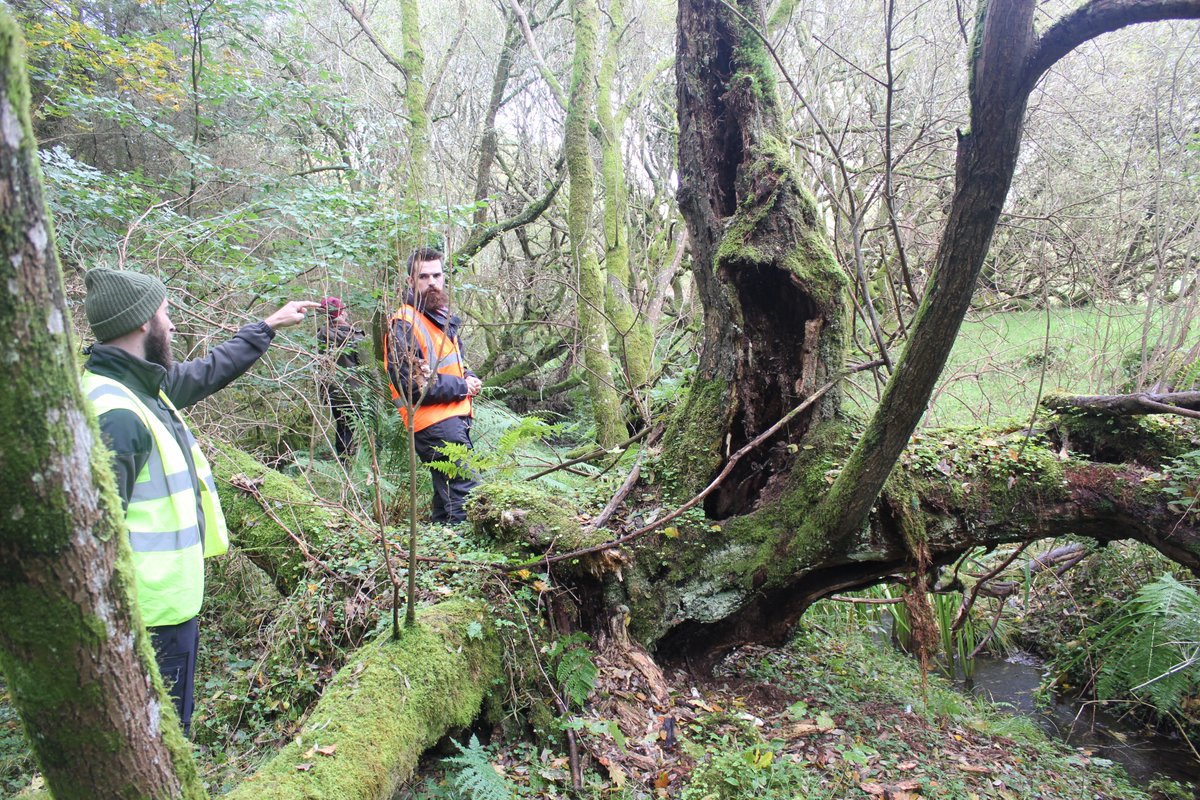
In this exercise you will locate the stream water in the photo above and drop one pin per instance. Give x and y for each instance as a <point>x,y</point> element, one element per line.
<point>1144,755</point>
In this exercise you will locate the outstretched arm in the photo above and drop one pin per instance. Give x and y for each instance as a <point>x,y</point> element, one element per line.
<point>190,382</point>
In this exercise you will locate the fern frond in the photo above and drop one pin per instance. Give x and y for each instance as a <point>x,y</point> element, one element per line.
<point>475,778</point>
<point>1152,646</point>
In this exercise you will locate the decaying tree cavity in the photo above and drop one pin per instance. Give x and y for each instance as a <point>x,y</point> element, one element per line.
<point>770,286</point>
<point>74,652</point>
<point>820,508</point>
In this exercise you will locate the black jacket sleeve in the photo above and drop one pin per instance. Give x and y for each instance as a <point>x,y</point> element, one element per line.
<point>191,381</point>
<point>130,442</point>
<point>403,350</point>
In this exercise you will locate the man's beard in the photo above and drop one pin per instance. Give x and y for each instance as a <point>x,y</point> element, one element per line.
<point>433,299</point>
<point>158,345</point>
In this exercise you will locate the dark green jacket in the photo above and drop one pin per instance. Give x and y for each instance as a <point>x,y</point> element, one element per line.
<point>185,384</point>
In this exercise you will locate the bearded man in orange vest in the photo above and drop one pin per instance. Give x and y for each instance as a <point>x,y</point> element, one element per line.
<point>429,378</point>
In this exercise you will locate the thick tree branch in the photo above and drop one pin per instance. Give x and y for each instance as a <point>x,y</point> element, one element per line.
<point>1095,18</point>
<point>483,236</point>
<point>387,54</point>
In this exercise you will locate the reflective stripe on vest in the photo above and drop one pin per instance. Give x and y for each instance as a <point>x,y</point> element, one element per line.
<point>164,531</point>
<point>443,356</point>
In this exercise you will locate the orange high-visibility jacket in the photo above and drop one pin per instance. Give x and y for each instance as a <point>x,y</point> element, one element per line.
<point>444,357</point>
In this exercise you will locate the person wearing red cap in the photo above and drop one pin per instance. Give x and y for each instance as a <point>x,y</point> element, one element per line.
<point>339,338</point>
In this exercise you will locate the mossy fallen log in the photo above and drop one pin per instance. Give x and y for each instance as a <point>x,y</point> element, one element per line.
<point>391,702</point>
<point>274,520</point>
<point>530,522</point>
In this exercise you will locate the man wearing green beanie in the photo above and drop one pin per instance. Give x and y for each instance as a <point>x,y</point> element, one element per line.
<point>165,483</point>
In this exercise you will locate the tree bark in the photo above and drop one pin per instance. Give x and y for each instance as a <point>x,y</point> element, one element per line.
<point>771,289</point>
<point>593,325</point>
<point>72,646</point>
<point>634,337</point>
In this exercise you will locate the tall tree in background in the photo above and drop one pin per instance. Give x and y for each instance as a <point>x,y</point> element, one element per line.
<point>593,323</point>
<point>72,646</point>
<point>634,336</point>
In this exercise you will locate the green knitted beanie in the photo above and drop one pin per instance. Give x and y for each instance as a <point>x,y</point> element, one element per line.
<point>118,301</point>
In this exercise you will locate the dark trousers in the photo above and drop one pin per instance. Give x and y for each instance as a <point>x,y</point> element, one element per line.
<point>343,432</point>
<point>175,649</point>
<point>449,494</point>
<point>341,408</point>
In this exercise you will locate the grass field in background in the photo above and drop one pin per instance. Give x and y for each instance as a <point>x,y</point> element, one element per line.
<point>996,365</point>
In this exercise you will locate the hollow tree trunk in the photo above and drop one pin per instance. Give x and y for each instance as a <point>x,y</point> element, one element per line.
<point>799,521</point>
<point>773,295</point>
<point>72,646</point>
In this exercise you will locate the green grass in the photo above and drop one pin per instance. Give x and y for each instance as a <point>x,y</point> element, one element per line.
<point>995,368</point>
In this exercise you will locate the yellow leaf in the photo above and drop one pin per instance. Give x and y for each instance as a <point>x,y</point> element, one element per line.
<point>671,532</point>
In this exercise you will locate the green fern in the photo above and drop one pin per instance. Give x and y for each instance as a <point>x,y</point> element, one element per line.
<point>475,778</point>
<point>1150,649</point>
<point>577,674</point>
<point>574,670</point>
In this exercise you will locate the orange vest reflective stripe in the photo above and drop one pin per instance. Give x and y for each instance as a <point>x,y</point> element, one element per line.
<point>446,359</point>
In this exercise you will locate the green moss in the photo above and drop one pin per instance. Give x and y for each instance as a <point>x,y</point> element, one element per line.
<point>754,67</point>
<point>252,529</point>
<point>695,432</point>
<point>526,514</point>
<point>1146,440</point>
<point>394,700</point>
<point>983,472</point>
<point>709,570</point>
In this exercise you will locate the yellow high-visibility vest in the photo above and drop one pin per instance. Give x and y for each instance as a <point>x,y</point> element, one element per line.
<point>164,531</point>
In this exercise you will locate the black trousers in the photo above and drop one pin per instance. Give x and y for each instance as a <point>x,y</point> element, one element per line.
<point>341,407</point>
<point>175,649</point>
<point>449,494</point>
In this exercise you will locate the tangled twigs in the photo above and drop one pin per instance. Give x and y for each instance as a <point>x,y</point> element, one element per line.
<point>963,610</point>
<point>250,487</point>
<point>590,456</point>
<point>729,465</point>
<point>627,486</point>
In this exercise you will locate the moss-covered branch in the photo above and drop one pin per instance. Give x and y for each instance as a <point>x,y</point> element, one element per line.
<point>751,576</point>
<point>275,521</point>
<point>392,701</point>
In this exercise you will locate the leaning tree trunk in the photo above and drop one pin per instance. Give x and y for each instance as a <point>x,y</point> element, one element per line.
<point>74,652</point>
<point>1008,58</point>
